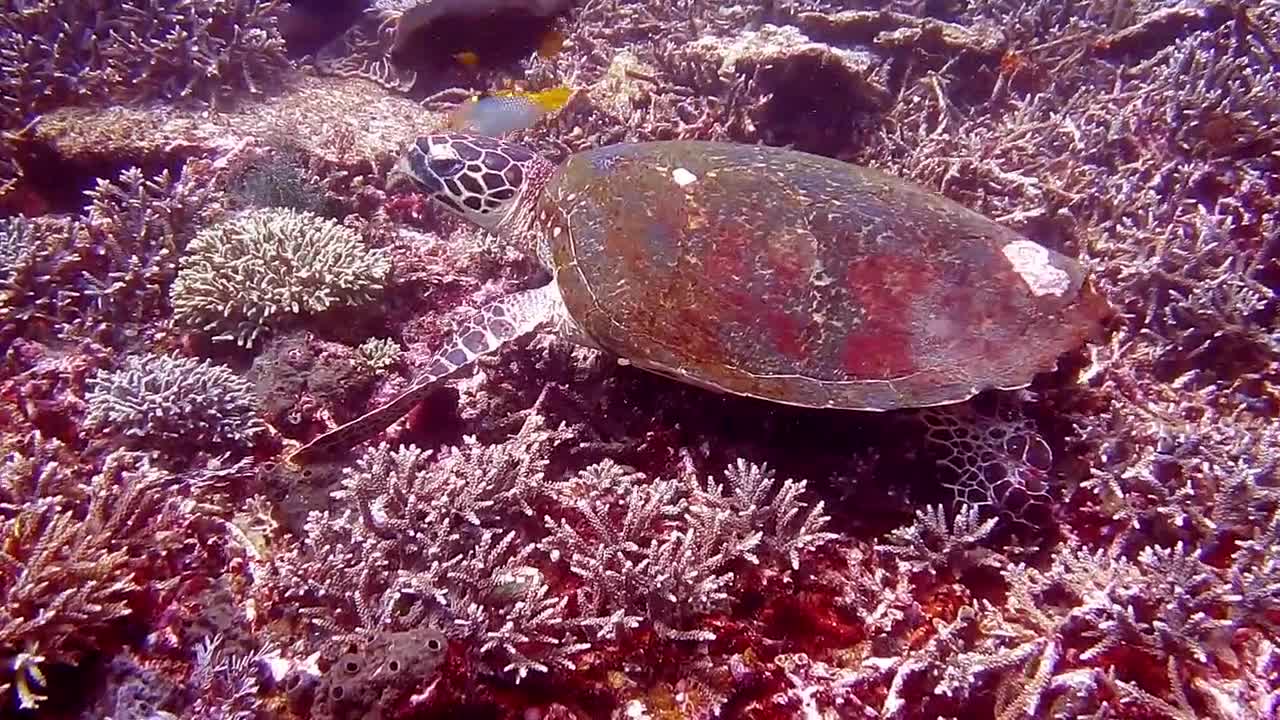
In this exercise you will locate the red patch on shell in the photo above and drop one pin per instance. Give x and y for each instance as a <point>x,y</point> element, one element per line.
<point>887,290</point>
<point>786,333</point>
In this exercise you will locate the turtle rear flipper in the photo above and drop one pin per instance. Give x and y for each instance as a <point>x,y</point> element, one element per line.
<point>493,326</point>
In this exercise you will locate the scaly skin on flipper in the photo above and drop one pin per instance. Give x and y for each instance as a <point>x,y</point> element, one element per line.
<point>496,324</point>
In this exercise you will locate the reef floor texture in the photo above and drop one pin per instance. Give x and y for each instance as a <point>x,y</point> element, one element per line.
<point>203,269</point>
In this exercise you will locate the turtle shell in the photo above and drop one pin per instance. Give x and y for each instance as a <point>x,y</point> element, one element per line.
<point>802,279</point>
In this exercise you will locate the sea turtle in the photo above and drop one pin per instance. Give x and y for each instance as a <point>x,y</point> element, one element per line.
<point>752,270</point>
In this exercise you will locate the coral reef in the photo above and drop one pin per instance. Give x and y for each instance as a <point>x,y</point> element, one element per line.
<point>84,556</point>
<point>59,52</point>
<point>254,272</point>
<point>95,274</point>
<point>164,401</point>
<point>552,535</point>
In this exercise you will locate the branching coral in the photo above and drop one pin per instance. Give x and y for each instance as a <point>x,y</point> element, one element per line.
<point>1138,135</point>
<point>256,271</point>
<point>463,548</point>
<point>111,267</point>
<point>15,243</point>
<point>80,555</point>
<point>446,529</point>
<point>379,353</point>
<point>165,401</point>
<point>63,51</point>
<point>1068,632</point>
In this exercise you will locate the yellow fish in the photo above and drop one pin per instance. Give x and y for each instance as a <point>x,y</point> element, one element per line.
<point>506,111</point>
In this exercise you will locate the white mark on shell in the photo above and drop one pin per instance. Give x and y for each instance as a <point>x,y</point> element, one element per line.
<point>1032,263</point>
<point>557,231</point>
<point>683,177</point>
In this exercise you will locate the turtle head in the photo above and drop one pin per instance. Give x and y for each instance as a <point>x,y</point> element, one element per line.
<point>480,179</point>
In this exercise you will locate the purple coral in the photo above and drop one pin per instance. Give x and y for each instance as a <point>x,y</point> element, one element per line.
<point>647,555</point>
<point>565,545</point>
<point>94,274</point>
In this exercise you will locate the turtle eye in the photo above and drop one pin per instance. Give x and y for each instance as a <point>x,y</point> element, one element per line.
<point>445,167</point>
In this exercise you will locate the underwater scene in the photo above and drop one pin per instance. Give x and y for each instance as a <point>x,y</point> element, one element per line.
<point>639,359</point>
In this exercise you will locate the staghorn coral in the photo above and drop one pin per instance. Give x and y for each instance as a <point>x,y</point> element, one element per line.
<point>15,243</point>
<point>932,545</point>
<point>99,273</point>
<point>82,552</point>
<point>1140,135</point>
<point>647,555</point>
<point>165,401</point>
<point>1064,634</point>
<point>665,553</point>
<point>457,513</point>
<point>259,270</point>
<point>61,52</point>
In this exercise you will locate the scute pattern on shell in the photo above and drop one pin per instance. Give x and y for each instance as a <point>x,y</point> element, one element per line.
<point>801,279</point>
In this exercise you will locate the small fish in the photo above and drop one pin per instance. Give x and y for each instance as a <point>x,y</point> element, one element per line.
<point>506,111</point>
<point>467,59</point>
<point>551,44</point>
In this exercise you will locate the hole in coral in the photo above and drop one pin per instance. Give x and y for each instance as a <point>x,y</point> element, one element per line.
<point>434,645</point>
<point>394,666</point>
<point>53,183</point>
<point>499,39</point>
<point>352,667</point>
<point>337,693</point>
<point>309,25</point>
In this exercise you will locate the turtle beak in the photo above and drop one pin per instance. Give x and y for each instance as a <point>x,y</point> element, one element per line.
<point>400,178</point>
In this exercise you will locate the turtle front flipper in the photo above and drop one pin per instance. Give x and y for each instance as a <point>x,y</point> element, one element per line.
<point>496,324</point>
